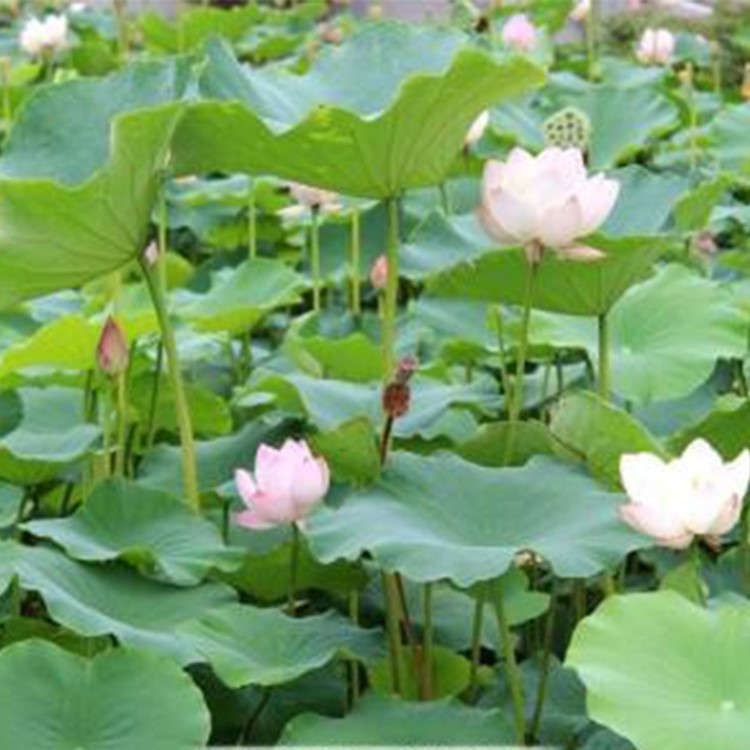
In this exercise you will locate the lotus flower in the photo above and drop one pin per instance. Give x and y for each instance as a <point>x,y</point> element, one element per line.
<point>476,131</point>
<point>379,273</point>
<point>696,494</point>
<point>545,201</point>
<point>289,482</point>
<point>655,47</point>
<point>39,38</point>
<point>112,353</point>
<point>309,198</point>
<point>519,33</point>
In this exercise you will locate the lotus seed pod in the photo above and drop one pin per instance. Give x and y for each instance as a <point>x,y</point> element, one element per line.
<point>568,128</point>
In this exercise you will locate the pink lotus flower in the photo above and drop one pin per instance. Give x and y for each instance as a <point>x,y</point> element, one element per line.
<point>112,353</point>
<point>656,47</point>
<point>545,201</point>
<point>289,482</point>
<point>519,33</point>
<point>476,131</point>
<point>379,273</point>
<point>696,494</point>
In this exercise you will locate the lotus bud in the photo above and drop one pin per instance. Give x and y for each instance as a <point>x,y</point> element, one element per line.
<point>476,131</point>
<point>519,34</point>
<point>656,47</point>
<point>287,484</point>
<point>112,353</point>
<point>379,273</point>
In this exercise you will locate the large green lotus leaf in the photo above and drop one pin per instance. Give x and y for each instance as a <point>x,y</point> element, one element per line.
<point>563,286</point>
<point>351,451</point>
<point>728,133</point>
<point>10,504</point>
<point>377,720</point>
<point>79,177</point>
<point>94,600</point>
<point>665,673</point>
<point>328,403</point>
<point>251,646</point>
<point>645,203</point>
<point>579,417</point>
<point>242,296</point>
<point>661,348</point>
<point>726,427</point>
<point>161,468</point>
<point>48,434</point>
<point>383,112</point>
<point>51,699</point>
<point>194,26</point>
<point>67,343</point>
<point>150,529</point>
<point>442,517</point>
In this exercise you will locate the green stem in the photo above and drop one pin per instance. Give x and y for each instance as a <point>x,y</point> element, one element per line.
<point>516,406</point>
<point>502,353</point>
<point>122,424</point>
<point>541,692</point>
<point>391,290</point>
<point>156,287</point>
<point>445,200</point>
<point>592,41</point>
<point>6,68</point>
<point>695,557</point>
<point>294,570</point>
<point>356,251</point>
<point>252,223</point>
<point>315,256</point>
<point>427,642</point>
<point>121,23</point>
<point>512,672</point>
<point>354,664</point>
<point>395,648</point>
<point>604,356</point>
<point>151,429</point>
<point>107,430</point>
<point>476,644</point>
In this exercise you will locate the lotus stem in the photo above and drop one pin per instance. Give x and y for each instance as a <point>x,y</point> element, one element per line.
<point>6,67</point>
<point>294,570</point>
<point>315,256</point>
<point>391,290</point>
<point>427,642</point>
<point>356,249</point>
<point>445,199</point>
<point>252,223</point>
<point>592,40</point>
<point>122,422</point>
<point>541,692</point>
<point>157,288</point>
<point>604,357</point>
<point>353,664</point>
<point>151,429</point>
<point>516,405</point>
<point>395,650</point>
<point>512,672</point>
<point>476,643</point>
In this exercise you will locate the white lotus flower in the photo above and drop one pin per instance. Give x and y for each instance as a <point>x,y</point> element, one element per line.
<point>545,201</point>
<point>45,37</point>
<point>674,501</point>
<point>656,47</point>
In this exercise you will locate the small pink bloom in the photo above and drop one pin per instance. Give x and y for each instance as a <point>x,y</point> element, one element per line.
<point>289,482</point>
<point>656,47</point>
<point>519,33</point>
<point>379,273</point>
<point>112,353</point>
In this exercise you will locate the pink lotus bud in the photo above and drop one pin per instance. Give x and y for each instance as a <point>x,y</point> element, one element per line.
<point>379,273</point>
<point>696,494</point>
<point>544,201</point>
<point>288,483</point>
<point>519,33</point>
<point>112,353</point>
<point>476,131</point>
<point>151,253</point>
<point>656,47</point>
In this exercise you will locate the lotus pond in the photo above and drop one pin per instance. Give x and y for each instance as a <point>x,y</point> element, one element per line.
<point>365,382</point>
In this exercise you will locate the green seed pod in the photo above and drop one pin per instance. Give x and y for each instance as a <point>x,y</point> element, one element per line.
<point>568,128</point>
